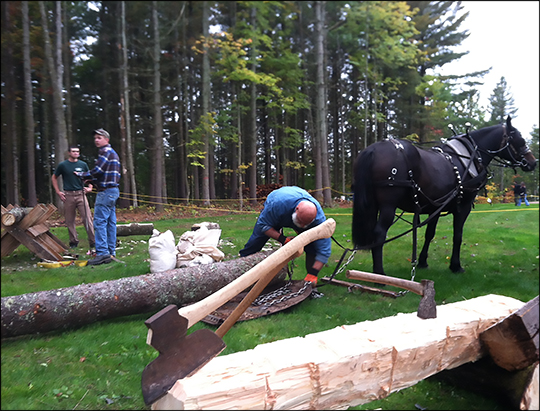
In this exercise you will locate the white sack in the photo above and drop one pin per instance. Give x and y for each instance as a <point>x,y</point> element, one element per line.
<point>198,247</point>
<point>162,251</point>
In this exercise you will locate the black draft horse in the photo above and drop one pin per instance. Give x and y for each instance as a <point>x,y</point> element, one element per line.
<point>394,173</point>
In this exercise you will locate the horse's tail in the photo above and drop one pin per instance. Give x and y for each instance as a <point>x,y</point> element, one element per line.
<point>364,203</point>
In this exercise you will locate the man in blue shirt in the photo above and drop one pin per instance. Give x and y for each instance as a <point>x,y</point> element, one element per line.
<point>106,176</point>
<point>295,208</point>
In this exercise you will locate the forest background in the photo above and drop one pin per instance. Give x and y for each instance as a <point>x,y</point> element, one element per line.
<point>212,101</point>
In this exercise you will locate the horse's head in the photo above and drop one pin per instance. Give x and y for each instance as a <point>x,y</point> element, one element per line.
<point>515,148</point>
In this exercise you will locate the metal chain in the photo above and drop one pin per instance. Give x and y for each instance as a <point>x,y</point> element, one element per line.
<point>413,274</point>
<point>284,292</point>
<point>351,257</point>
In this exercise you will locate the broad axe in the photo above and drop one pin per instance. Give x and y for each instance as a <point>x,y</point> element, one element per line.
<point>181,355</point>
<point>427,307</point>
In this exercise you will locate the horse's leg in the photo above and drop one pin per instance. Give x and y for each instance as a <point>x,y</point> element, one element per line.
<point>430,233</point>
<point>386,216</point>
<point>459,221</point>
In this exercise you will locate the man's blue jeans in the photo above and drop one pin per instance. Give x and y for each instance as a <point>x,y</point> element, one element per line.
<point>105,221</point>
<point>524,199</point>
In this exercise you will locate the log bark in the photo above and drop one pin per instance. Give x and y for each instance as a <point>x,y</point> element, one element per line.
<point>513,342</point>
<point>125,230</point>
<point>345,366</point>
<point>14,215</point>
<point>87,303</point>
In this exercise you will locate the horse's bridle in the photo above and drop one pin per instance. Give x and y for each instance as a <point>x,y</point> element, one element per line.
<point>506,144</point>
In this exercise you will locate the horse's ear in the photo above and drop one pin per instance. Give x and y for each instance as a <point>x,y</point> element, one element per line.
<point>509,122</point>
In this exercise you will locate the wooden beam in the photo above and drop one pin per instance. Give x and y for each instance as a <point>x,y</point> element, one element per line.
<point>513,342</point>
<point>345,366</point>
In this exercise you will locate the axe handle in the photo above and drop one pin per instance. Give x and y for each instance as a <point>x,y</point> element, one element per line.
<point>197,311</point>
<point>251,296</point>
<point>413,286</point>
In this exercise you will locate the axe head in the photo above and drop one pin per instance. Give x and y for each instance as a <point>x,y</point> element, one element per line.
<point>180,355</point>
<point>427,307</point>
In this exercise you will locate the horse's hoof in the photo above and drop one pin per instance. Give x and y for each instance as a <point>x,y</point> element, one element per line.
<point>423,265</point>
<point>457,270</point>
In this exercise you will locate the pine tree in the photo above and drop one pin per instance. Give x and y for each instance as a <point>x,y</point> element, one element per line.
<point>501,103</point>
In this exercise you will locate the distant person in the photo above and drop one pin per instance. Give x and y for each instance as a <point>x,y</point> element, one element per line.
<point>517,190</point>
<point>522,194</point>
<point>294,208</point>
<point>74,196</point>
<point>106,176</point>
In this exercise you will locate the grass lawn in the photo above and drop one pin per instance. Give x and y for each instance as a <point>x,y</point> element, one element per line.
<point>99,366</point>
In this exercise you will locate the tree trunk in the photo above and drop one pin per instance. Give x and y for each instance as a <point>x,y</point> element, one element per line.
<point>10,157</point>
<point>205,96</point>
<point>125,230</point>
<point>125,125</point>
<point>29,111</point>
<point>252,136</point>
<point>321,106</point>
<point>345,366</point>
<point>68,60</point>
<point>158,172</point>
<point>60,138</point>
<point>87,303</point>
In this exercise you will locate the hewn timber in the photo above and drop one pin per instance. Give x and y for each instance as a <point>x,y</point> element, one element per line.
<point>86,303</point>
<point>345,366</point>
<point>513,342</point>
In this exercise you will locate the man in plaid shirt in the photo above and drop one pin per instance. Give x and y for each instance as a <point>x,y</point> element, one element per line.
<point>105,176</point>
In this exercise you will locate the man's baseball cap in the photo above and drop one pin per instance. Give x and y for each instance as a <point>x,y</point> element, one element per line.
<point>102,132</point>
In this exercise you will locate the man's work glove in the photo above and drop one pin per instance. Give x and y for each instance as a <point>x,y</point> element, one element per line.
<point>284,240</point>
<point>312,276</point>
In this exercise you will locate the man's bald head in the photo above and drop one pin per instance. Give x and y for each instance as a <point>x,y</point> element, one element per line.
<point>304,213</point>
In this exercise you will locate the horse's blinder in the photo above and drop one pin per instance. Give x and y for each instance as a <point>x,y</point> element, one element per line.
<point>507,142</point>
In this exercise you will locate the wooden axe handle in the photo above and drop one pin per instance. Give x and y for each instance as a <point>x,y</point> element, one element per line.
<point>197,311</point>
<point>413,286</point>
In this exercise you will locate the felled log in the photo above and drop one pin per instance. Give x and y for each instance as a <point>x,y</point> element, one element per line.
<point>87,303</point>
<point>123,230</point>
<point>345,366</point>
<point>513,342</point>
